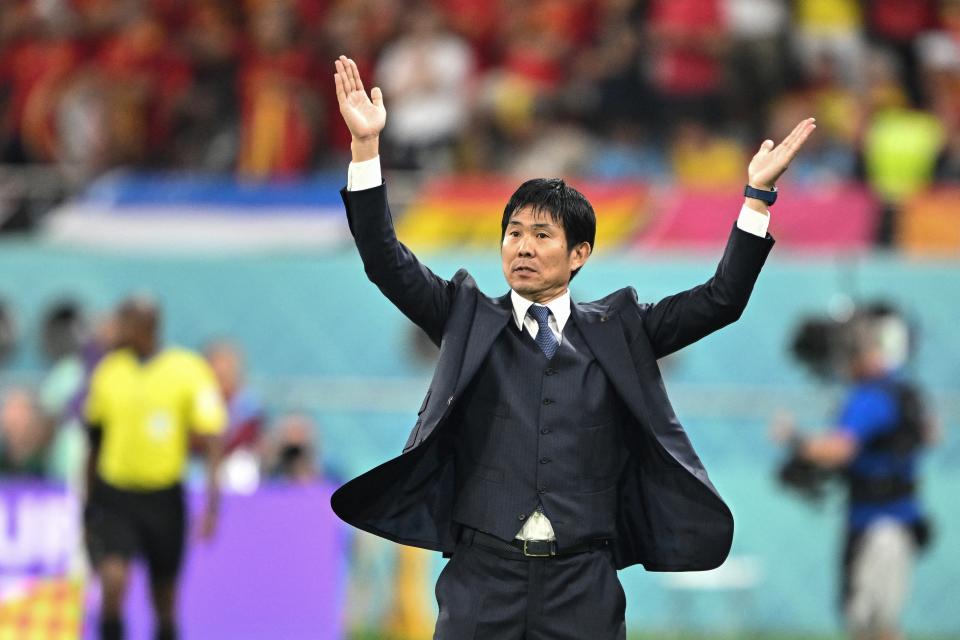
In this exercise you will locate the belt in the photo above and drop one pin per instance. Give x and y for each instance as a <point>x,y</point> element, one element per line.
<point>527,548</point>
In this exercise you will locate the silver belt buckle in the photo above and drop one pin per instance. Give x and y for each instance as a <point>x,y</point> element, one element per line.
<point>538,555</point>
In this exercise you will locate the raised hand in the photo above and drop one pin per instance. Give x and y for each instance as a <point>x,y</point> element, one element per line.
<point>365,116</point>
<point>770,162</point>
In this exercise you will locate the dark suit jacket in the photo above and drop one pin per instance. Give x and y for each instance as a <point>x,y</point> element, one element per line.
<point>670,516</point>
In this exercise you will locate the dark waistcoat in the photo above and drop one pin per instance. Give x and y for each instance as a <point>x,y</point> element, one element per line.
<point>536,431</point>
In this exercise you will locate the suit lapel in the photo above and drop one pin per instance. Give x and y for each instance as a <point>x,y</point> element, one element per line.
<point>602,332</point>
<point>489,320</point>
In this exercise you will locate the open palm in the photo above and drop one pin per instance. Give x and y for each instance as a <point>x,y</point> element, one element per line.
<point>770,162</point>
<point>365,116</point>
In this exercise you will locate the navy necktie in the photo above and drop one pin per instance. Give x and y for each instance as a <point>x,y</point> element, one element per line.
<point>545,338</point>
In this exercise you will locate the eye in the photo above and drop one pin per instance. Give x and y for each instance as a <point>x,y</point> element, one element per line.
<point>514,234</point>
<point>542,235</point>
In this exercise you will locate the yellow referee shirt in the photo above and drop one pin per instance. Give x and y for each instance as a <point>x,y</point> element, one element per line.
<point>146,411</point>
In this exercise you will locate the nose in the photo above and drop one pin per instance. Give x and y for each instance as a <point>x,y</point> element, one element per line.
<point>524,249</point>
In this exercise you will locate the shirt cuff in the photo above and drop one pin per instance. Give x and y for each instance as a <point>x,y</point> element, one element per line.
<point>364,175</point>
<point>753,221</point>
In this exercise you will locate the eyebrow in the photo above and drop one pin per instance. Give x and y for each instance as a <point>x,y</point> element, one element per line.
<point>535,225</point>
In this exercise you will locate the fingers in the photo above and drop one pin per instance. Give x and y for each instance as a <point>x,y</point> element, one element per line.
<point>377,96</point>
<point>357,82</point>
<point>799,134</point>
<point>342,74</point>
<point>793,134</point>
<point>764,149</point>
<point>347,78</point>
<point>798,137</point>
<point>346,73</point>
<point>339,81</point>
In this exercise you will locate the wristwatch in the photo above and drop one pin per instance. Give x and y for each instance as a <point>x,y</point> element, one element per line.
<point>769,197</point>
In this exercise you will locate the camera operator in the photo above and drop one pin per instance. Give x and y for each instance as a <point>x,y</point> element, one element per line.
<point>880,433</point>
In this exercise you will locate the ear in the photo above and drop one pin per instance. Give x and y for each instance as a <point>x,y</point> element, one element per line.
<point>579,255</point>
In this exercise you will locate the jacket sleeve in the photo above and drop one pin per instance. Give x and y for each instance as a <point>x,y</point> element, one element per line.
<point>683,318</point>
<point>419,293</point>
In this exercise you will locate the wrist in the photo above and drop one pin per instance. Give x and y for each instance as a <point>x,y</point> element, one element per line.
<point>363,149</point>
<point>764,196</point>
<point>757,205</point>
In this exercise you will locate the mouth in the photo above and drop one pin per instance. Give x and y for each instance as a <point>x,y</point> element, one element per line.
<point>524,269</point>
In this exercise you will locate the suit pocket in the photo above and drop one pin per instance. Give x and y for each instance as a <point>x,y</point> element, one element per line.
<point>412,438</point>
<point>423,405</point>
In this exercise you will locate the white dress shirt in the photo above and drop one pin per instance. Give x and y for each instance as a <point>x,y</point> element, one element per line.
<point>367,175</point>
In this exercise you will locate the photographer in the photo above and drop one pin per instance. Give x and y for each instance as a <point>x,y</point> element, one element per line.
<point>875,447</point>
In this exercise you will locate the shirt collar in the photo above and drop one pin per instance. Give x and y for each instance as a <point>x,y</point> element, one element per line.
<point>559,307</point>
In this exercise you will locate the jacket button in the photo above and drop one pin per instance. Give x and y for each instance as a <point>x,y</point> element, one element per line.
<point>550,371</point>
<point>544,460</point>
<point>449,401</point>
<point>522,516</point>
<point>603,318</point>
<point>542,490</point>
<point>547,401</point>
<point>544,431</point>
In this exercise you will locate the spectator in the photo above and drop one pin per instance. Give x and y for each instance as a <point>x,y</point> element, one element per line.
<point>281,112</point>
<point>425,74</point>
<point>34,70</point>
<point>63,394</point>
<point>24,436</point>
<point>143,78</point>
<point>291,453</point>
<point>244,411</point>
<point>757,62</point>
<point>900,146</point>
<point>895,26</point>
<point>689,41</point>
<point>205,119</point>
<point>831,29</point>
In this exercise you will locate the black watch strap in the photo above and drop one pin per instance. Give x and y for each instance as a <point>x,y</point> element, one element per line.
<point>769,197</point>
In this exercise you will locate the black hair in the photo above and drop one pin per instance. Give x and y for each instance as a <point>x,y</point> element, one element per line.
<point>565,205</point>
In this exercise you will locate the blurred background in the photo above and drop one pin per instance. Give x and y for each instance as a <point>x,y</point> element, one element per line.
<point>193,149</point>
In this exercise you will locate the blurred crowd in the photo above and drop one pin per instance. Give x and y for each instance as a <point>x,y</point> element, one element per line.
<point>43,436</point>
<point>663,90</point>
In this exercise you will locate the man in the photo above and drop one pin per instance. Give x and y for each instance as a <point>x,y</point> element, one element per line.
<point>880,433</point>
<point>545,454</point>
<point>142,404</point>
<point>245,414</point>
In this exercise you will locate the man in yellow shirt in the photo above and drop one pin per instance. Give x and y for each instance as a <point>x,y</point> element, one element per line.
<point>144,404</point>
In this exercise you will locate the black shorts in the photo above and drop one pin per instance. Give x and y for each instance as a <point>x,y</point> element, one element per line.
<point>149,524</point>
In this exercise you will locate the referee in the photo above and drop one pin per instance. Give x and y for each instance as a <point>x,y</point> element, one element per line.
<point>143,406</point>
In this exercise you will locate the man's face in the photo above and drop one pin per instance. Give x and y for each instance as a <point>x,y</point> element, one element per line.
<point>536,262</point>
<point>137,330</point>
